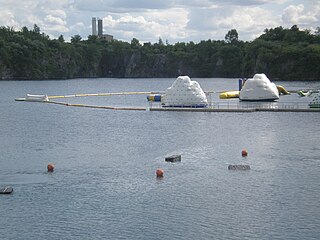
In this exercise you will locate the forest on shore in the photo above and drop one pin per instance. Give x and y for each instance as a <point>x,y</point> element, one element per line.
<point>280,53</point>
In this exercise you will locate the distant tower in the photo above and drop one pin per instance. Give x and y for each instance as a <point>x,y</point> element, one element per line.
<point>94,26</point>
<point>100,27</point>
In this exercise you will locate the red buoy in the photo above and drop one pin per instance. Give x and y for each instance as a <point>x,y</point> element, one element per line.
<point>244,153</point>
<point>50,167</point>
<point>159,173</point>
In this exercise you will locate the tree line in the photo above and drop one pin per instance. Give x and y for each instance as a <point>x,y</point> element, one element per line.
<point>280,53</point>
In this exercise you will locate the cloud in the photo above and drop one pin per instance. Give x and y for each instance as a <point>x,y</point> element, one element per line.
<point>254,2</point>
<point>7,18</point>
<point>175,20</point>
<point>120,5</point>
<point>297,14</point>
<point>10,13</point>
<point>216,22</point>
<point>208,3</point>
<point>169,24</point>
<point>47,14</point>
<point>54,20</point>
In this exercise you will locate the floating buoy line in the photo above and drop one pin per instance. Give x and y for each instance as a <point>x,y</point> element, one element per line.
<point>100,94</point>
<point>52,100</point>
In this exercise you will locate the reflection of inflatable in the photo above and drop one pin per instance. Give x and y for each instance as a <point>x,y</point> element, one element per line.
<point>259,88</point>
<point>315,103</point>
<point>282,90</point>
<point>229,94</point>
<point>184,93</point>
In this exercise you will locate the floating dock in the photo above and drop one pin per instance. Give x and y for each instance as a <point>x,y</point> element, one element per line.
<point>239,167</point>
<point>213,107</point>
<point>240,110</point>
<point>6,190</point>
<point>173,158</point>
<point>182,109</point>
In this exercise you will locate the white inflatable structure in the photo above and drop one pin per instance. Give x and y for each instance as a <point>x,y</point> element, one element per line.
<point>315,102</point>
<point>259,88</point>
<point>184,93</point>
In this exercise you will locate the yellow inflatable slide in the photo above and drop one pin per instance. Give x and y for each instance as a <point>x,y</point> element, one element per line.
<point>282,90</point>
<point>229,94</point>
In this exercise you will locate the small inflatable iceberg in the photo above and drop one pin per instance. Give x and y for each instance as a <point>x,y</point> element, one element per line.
<point>315,102</point>
<point>184,93</point>
<point>259,88</point>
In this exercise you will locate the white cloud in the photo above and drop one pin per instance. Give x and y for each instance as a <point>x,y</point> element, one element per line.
<point>56,28</point>
<point>58,13</point>
<point>54,20</point>
<point>299,15</point>
<point>167,24</point>
<point>7,18</point>
<point>218,21</point>
<point>120,5</point>
<point>33,19</point>
<point>77,26</point>
<point>175,20</point>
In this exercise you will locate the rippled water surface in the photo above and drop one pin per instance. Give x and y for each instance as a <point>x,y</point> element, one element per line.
<point>104,184</point>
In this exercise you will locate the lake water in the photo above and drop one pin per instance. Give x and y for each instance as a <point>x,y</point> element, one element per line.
<point>104,185</point>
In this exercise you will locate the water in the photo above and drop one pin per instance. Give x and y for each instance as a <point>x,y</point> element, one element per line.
<point>104,184</point>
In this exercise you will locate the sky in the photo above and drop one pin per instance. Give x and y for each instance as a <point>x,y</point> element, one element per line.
<point>172,21</point>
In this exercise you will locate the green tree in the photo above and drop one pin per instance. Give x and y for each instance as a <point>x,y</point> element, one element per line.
<point>160,42</point>
<point>276,34</point>
<point>281,53</point>
<point>135,44</point>
<point>92,38</point>
<point>76,39</point>
<point>36,29</point>
<point>232,36</point>
<point>25,30</point>
<point>61,39</point>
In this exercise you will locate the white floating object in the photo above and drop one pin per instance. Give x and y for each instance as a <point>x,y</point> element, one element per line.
<point>315,102</point>
<point>37,98</point>
<point>184,93</point>
<point>259,88</point>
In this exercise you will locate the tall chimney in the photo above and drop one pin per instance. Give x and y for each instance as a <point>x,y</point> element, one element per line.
<point>94,26</point>
<point>100,27</point>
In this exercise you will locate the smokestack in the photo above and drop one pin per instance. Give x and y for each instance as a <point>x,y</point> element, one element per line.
<point>100,27</point>
<point>94,26</point>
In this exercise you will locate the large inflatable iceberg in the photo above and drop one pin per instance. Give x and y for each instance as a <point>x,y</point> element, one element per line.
<point>184,93</point>
<point>259,88</point>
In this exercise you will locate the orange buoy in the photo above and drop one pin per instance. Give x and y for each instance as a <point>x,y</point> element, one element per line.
<point>159,173</point>
<point>244,153</point>
<point>50,167</point>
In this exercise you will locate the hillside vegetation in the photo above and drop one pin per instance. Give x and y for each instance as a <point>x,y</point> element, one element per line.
<point>286,54</point>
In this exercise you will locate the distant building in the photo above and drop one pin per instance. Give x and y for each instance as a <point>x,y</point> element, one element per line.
<point>94,26</point>
<point>99,33</point>
<point>107,37</point>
